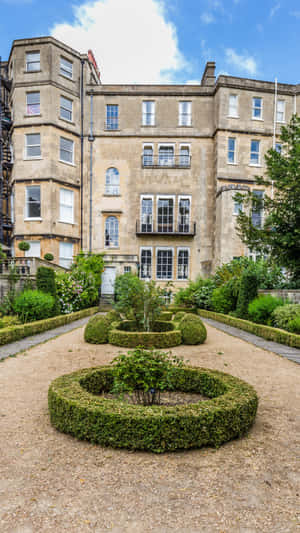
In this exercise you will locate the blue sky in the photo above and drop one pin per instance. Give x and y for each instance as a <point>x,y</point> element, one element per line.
<point>164,41</point>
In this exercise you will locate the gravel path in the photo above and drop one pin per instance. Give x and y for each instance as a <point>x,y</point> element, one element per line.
<point>51,482</point>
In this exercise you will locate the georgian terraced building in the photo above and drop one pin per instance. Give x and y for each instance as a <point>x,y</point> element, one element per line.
<point>146,174</point>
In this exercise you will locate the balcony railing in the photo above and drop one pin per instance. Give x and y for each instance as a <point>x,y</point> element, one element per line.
<point>179,230</point>
<point>166,161</point>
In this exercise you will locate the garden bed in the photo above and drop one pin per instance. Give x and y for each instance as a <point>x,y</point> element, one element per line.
<point>76,408</point>
<point>165,335</point>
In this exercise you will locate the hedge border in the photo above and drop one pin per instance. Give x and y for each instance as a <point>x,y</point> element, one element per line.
<point>15,333</point>
<point>266,332</point>
<point>132,339</point>
<point>75,409</point>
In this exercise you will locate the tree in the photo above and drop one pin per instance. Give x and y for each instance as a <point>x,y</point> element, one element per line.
<point>279,234</point>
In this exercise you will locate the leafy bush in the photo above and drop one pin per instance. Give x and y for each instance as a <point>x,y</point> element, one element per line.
<point>202,296</point>
<point>179,315</point>
<point>33,305</point>
<point>77,407</point>
<point>112,316</point>
<point>165,315</point>
<point>283,314</point>
<point>24,246</point>
<point>140,300</point>
<point>7,321</point>
<point>75,290</point>
<point>260,310</point>
<point>90,264</point>
<point>294,325</point>
<point>247,291</point>
<point>97,329</point>
<point>185,296</point>
<point>45,280</point>
<point>224,298</point>
<point>144,373</point>
<point>121,335</point>
<point>192,329</point>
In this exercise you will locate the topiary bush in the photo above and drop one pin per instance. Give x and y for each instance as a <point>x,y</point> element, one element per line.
<point>49,257</point>
<point>179,315</point>
<point>247,291</point>
<point>45,280</point>
<point>33,305</point>
<point>121,335</point>
<point>24,246</point>
<point>192,329</point>
<point>260,310</point>
<point>77,407</point>
<point>96,330</point>
<point>113,316</point>
<point>283,314</point>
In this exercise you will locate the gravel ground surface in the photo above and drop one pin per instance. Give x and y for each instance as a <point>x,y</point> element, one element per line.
<point>50,482</point>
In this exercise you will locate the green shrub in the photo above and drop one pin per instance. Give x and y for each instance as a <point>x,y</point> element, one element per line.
<point>283,314</point>
<point>77,408</point>
<point>177,308</point>
<point>33,305</point>
<point>144,374</point>
<point>185,296</point>
<point>45,280</point>
<point>266,332</point>
<point>192,329</point>
<point>24,246</point>
<point>96,330</point>
<point>294,325</point>
<point>260,310</point>
<point>247,291</point>
<point>7,321</point>
<point>15,333</point>
<point>165,315</point>
<point>123,336</point>
<point>112,316</point>
<point>49,257</point>
<point>224,298</point>
<point>202,297</point>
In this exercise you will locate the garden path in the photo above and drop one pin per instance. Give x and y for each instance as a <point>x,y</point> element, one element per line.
<point>51,482</point>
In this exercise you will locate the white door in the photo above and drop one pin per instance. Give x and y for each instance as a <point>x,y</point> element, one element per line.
<point>108,280</point>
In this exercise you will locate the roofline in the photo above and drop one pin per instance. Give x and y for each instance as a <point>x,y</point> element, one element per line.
<point>43,40</point>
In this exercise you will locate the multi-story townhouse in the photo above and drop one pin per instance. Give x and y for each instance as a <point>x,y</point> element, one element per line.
<point>146,174</point>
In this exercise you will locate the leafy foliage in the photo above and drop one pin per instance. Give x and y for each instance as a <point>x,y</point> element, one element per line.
<point>89,264</point>
<point>202,296</point>
<point>144,373</point>
<point>33,305</point>
<point>24,246</point>
<point>49,257</point>
<point>260,310</point>
<point>283,314</point>
<point>294,325</point>
<point>97,329</point>
<point>224,298</point>
<point>192,329</point>
<point>45,280</point>
<point>247,291</point>
<point>185,296</point>
<point>280,234</point>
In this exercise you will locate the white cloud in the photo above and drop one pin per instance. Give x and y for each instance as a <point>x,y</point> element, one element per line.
<point>193,82</point>
<point>131,40</point>
<point>242,62</point>
<point>207,18</point>
<point>274,9</point>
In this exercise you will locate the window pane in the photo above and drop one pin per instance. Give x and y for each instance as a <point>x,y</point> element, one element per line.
<point>66,150</point>
<point>33,61</point>
<point>33,103</point>
<point>233,100</point>
<point>165,214</point>
<point>184,215</point>
<point>183,264</point>
<point>33,202</point>
<point>112,181</point>
<point>166,155</point>
<point>146,215</point>
<point>66,67</point>
<point>34,250</point>
<point>148,156</point>
<point>185,113</point>
<point>112,117</point>
<point>164,264</point>
<point>111,232</point>
<point>66,205</point>
<point>184,159</point>
<point>33,139</point>
<point>148,113</point>
<point>146,264</point>
<point>65,254</point>
<point>66,108</point>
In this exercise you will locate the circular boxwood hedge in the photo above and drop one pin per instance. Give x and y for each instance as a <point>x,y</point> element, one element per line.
<point>164,335</point>
<point>192,329</point>
<point>76,409</point>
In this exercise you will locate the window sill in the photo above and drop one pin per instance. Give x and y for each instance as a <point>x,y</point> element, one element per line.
<point>230,163</point>
<point>233,116</point>
<point>185,126</point>
<point>280,122</point>
<point>66,77</point>
<point>148,125</point>
<point>112,195</point>
<point>32,71</point>
<point>257,118</point>
<point>65,222</point>
<point>38,158</point>
<point>67,121</point>
<point>112,130</point>
<point>67,163</point>
<point>34,115</point>
<point>112,247</point>
<point>186,279</point>
<point>255,165</point>
<point>33,219</point>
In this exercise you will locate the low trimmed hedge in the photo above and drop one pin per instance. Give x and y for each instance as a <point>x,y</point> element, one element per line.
<point>76,409</point>
<point>267,332</point>
<point>122,336</point>
<point>15,333</point>
<point>176,308</point>
<point>165,315</point>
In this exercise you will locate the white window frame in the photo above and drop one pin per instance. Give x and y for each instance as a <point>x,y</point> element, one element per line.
<point>33,52</point>
<point>109,246</point>
<point>68,206</point>
<point>236,114</point>
<point>62,258</point>
<point>183,249</point>
<point>234,162</point>
<point>73,150</point>
<point>29,157</point>
<point>147,197</point>
<point>112,187</point>
<point>147,249</point>
<point>187,116</point>
<point>27,252</point>
<point>254,107</point>
<point>166,145</point>
<point>63,69</point>
<point>145,114</point>
<point>146,145</point>
<point>184,197</point>
<point>35,103</point>
<point>277,111</point>
<point>184,145</point>
<point>61,106</point>
<point>164,249</point>
<point>262,208</point>
<point>259,153</point>
<point>166,197</point>
<point>27,217</point>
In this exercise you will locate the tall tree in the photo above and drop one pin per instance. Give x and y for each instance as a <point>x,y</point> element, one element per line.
<point>279,233</point>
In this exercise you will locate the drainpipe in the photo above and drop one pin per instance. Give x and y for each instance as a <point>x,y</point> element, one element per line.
<point>81,151</point>
<point>91,140</point>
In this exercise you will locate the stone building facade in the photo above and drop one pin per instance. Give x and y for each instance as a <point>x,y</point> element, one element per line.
<point>144,173</point>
